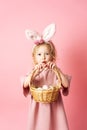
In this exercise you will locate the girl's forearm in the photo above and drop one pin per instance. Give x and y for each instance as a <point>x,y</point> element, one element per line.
<point>64,79</point>
<point>26,82</point>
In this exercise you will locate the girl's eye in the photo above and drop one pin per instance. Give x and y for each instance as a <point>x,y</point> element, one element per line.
<point>47,53</point>
<point>39,54</point>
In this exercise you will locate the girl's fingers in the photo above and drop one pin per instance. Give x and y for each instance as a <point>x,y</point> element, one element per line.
<point>43,66</point>
<point>51,65</point>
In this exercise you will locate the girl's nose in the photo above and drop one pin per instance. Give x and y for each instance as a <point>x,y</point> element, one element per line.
<point>44,57</point>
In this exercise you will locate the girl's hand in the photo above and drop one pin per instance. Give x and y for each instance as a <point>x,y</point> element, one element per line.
<point>43,66</point>
<point>38,69</point>
<point>51,65</point>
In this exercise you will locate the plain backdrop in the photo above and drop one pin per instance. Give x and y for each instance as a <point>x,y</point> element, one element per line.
<point>70,17</point>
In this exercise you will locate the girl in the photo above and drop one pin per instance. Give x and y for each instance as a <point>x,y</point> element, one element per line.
<point>45,116</point>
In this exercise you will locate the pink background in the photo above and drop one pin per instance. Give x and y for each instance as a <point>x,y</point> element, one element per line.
<point>70,40</point>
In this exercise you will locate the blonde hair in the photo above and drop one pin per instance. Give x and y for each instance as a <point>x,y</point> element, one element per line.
<point>50,45</point>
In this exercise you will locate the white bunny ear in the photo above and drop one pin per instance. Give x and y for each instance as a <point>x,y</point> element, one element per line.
<point>49,32</point>
<point>32,35</point>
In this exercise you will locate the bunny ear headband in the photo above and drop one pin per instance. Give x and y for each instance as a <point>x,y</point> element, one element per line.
<point>48,32</point>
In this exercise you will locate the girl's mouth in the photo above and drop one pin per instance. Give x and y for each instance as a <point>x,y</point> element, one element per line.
<point>43,61</point>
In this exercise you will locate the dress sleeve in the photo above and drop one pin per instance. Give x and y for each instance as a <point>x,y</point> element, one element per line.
<point>25,91</point>
<point>65,91</point>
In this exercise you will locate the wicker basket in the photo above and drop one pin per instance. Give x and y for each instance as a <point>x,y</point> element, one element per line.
<point>46,95</point>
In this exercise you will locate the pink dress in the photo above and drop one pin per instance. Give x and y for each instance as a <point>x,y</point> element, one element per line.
<point>46,116</point>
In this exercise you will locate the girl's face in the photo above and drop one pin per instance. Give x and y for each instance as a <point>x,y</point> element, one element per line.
<point>42,54</point>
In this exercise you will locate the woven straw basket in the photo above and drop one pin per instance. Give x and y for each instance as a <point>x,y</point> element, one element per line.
<point>46,95</point>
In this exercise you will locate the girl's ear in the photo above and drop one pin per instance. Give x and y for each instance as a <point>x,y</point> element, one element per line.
<point>32,35</point>
<point>48,32</point>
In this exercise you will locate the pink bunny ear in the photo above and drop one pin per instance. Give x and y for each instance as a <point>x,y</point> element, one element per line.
<point>32,35</point>
<point>48,32</point>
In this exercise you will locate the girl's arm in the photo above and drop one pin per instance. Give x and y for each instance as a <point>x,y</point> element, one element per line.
<point>28,78</point>
<point>26,84</point>
<point>26,81</point>
<point>65,83</point>
<point>64,79</point>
